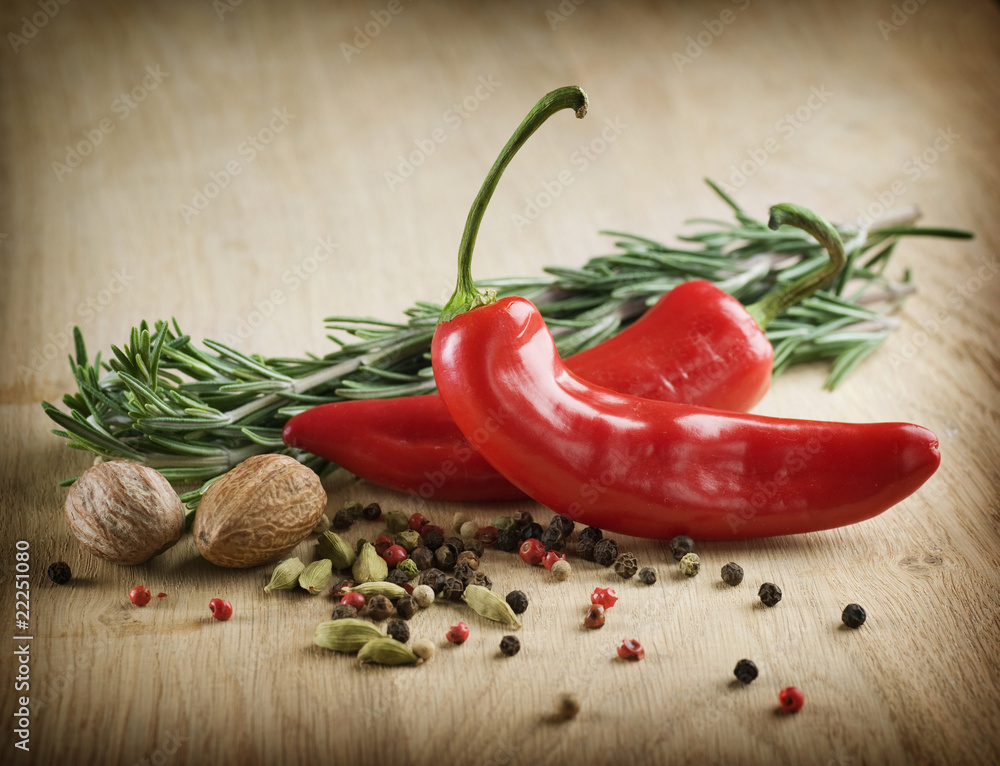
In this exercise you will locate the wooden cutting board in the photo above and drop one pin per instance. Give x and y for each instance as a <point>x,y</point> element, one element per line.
<point>251,168</point>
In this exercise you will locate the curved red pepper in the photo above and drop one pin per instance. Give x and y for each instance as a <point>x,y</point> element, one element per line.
<point>696,345</point>
<point>658,469</point>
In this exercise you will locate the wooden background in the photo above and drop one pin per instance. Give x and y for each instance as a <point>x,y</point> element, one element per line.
<point>107,243</point>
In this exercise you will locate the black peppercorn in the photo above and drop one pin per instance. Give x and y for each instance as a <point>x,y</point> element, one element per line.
<point>371,512</point>
<point>732,574</point>
<point>60,573</point>
<point>341,588</point>
<point>565,523</point>
<point>531,530</point>
<point>379,607</point>
<point>398,630</point>
<point>854,616</point>
<point>406,607</point>
<point>553,538</point>
<point>606,551</point>
<point>517,601</point>
<point>453,589</point>
<point>746,671</point>
<point>355,509</point>
<point>591,533</point>
<point>434,578</point>
<point>398,577</point>
<point>475,546</point>
<point>446,557</point>
<point>482,580</point>
<point>342,611</point>
<point>434,539</point>
<point>508,540</point>
<point>456,543</point>
<point>486,536</point>
<point>467,557</point>
<point>626,565</point>
<point>647,575</point>
<point>585,548</point>
<point>422,557</point>
<point>509,646</point>
<point>680,546</point>
<point>522,519</point>
<point>343,519</point>
<point>770,594</point>
<point>465,573</point>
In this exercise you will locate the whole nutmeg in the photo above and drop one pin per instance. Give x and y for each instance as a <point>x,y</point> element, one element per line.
<point>124,512</point>
<point>258,511</point>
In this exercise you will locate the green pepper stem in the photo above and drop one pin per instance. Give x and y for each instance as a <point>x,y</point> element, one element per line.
<point>767,308</point>
<point>466,296</point>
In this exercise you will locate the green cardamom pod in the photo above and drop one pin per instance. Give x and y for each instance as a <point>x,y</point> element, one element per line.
<point>488,604</point>
<point>408,567</point>
<point>285,575</point>
<point>369,566</point>
<point>315,576</point>
<point>387,651</point>
<point>334,547</point>
<point>322,525</point>
<point>347,635</point>
<point>383,588</point>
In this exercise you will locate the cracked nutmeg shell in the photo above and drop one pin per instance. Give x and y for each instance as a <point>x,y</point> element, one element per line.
<point>124,512</point>
<point>258,511</point>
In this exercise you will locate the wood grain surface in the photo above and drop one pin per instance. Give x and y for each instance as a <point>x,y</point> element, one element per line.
<point>183,94</point>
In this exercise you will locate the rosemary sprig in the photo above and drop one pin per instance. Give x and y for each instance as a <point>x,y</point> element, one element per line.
<point>195,412</point>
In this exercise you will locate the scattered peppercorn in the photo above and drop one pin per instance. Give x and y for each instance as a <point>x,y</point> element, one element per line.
<point>647,575</point>
<point>468,557</point>
<point>408,568</point>
<point>503,522</point>
<point>434,578</point>
<point>606,597</point>
<point>561,570</point>
<point>398,576</point>
<point>161,595</point>
<point>221,610</point>
<point>446,557</point>
<point>457,543</point>
<point>792,699</point>
<point>551,557</point>
<point>522,519</point>
<point>340,589</point>
<point>626,565</point>
<point>482,580</point>
<point>406,606</point>
<point>517,601</point>
<point>508,540</point>
<point>433,537</point>
<point>423,595</point>
<point>453,589</point>
<point>423,648</point>
<point>553,538</point>
<point>416,521</point>
<point>372,512</point>
<point>854,616</point>
<point>606,551</point>
<point>746,671</point>
<point>465,573</point>
<point>457,634</point>
<point>487,536</point>
<point>379,608</point>
<point>398,630</point>
<point>690,564</point>
<point>509,646</point>
<point>343,611</point>
<point>531,530</point>
<point>585,548</point>
<point>408,539</point>
<point>394,554</point>
<point>396,521</point>
<point>382,544</point>
<point>139,595</point>
<point>567,706</point>
<point>423,558</point>
<point>357,600</point>
<point>59,573</point>
<point>594,617</point>
<point>532,552</point>
<point>474,546</point>
<point>590,533</point>
<point>732,574</point>
<point>631,650</point>
<point>457,521</point>
<point>355,509</point>
<point>343,519</point>
<point>680,546</point>
<point>565,523</point>
<point>468,530</point>
<point>770,594</point>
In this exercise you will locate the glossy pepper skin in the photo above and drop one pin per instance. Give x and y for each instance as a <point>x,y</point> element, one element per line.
<point>657,469</point>
<point>696,345</point>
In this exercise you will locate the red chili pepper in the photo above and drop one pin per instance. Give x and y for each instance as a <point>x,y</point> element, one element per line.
<point>651,468</point>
